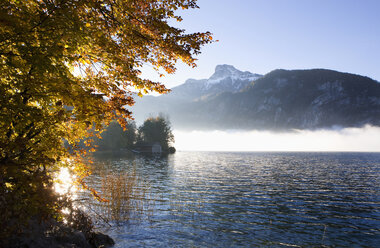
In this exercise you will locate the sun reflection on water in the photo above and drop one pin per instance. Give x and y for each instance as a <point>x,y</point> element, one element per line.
<point>64,183</point>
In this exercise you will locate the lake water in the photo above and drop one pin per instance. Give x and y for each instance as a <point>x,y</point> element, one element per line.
<point>222,199</point>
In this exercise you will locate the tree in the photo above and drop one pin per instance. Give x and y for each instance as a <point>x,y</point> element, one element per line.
<point>156,129</point>
<point>85,54</point>
<point>115,137</point>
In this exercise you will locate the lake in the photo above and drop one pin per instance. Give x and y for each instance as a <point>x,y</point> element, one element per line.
<point>225,199</point>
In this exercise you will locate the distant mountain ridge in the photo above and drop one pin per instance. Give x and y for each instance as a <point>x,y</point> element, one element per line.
<point>279,100</point>
<point>226,78</point>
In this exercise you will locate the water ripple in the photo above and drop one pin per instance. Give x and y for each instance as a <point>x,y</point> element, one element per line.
<point>206,199</point>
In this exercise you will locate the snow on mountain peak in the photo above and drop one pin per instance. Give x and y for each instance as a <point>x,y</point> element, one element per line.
<point>226,78</point>
<point>223,72</point>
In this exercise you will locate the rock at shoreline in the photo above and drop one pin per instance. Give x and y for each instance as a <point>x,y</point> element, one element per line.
<point>56,235</point>
<point>97,239</point>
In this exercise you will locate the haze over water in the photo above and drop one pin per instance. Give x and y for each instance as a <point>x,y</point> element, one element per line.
<point>364,139</point>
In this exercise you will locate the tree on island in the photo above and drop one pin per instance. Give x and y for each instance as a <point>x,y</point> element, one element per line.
<point>85,54</point>
<point>156,129</point>
<point>153,130</point>
<point>115,137</point>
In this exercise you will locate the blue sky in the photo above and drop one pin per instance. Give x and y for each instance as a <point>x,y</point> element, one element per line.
<point>263,35</point>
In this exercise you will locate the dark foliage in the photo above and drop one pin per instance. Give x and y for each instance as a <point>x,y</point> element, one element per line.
<point>156,129</point>
<point>115,137</point>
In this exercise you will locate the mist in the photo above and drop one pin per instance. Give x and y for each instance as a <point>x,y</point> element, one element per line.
<point>365,139</point>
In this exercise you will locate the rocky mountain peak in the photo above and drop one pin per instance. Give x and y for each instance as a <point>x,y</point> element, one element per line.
<point>235,76</point>
<point>223,71</point>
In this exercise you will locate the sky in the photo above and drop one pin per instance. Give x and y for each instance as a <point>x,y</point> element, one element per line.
<point>263,35</point>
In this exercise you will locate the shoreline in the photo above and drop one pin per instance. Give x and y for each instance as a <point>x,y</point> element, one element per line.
<point>51,234</point>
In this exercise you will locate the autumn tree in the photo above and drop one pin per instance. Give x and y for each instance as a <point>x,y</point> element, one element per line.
<point>67,67</point>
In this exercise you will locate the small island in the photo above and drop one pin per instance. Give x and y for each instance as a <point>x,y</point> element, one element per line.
<point>154,136</point>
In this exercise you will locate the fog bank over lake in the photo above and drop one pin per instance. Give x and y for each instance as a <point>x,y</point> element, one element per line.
<point>346,139</point>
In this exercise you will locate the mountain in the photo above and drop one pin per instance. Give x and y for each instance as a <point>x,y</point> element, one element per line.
<point>226,78</point>
<point>279,100</point>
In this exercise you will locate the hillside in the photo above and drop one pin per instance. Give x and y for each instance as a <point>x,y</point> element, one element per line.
<point>226,78</point>
<point>281,99</point>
